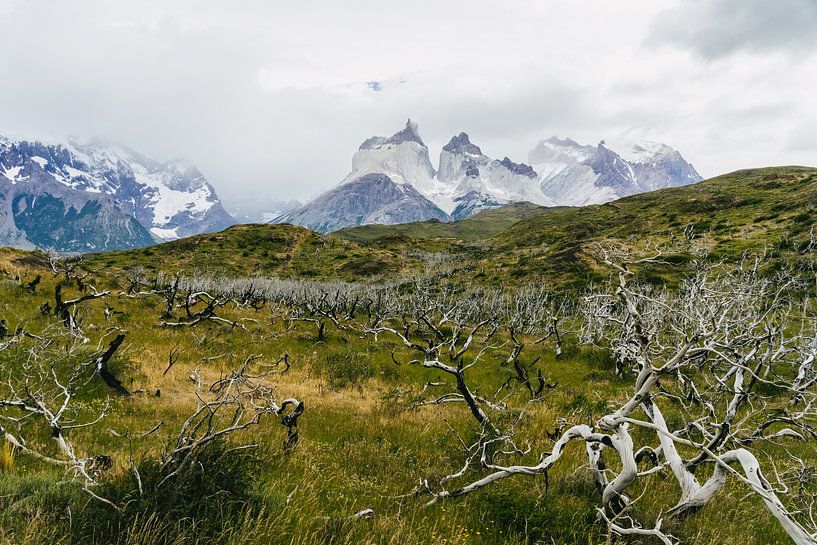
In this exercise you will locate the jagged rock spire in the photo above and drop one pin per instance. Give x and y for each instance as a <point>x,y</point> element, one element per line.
<point>462,144</point>
<point>409,134</point>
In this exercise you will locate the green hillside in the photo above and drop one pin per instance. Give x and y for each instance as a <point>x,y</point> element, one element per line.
<point>768,209</point>
<point>291,251</point>
<point>480,226</point>
<point>258,249</point>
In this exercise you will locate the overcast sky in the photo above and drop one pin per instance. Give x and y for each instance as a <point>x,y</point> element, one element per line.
<point>272,98</point>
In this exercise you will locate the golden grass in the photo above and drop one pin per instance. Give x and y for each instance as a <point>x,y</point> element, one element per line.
<point>7,458</point>
<point>358,449</point>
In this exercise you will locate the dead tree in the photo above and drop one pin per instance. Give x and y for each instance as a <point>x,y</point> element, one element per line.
<point>170,293</point>
<point>322,304</point>
<point>101,366</point>
<point>41,395</point>
<point>200,306</point>
<point>533,313</point>
<point>66,310</point>
<point>67,267</point>
<point>234,402</point>
<point>702,352</point>
<point>441,326</point>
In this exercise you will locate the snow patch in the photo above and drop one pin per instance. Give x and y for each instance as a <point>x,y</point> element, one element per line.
<point>640,151</point>
<point>167,202</point>
<point>165,234</point>
<point>12,173</point>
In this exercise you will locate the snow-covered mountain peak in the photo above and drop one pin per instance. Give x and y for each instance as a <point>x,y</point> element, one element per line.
<point>518,168</point>
<point>564,142</point>
<point>393,180</point>
<point>642,151</point>
<point>575,174</point>
<point>410,133</point>
<point>460,158</point>
<point>473,181</point>
<point>171,199</point>
<point>556,150</point>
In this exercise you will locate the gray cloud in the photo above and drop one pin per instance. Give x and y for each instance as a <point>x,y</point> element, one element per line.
<point>718,28</point>
<point>803,137</point>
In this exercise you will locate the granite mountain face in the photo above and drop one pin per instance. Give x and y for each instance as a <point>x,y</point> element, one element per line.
<point>363,200</point>
<point>391,182</point>
<point>473,181</point>
<point>558,173</point>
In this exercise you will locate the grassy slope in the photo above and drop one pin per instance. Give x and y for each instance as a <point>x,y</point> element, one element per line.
<point>256,249</point>
<point>480,226</point>
<point>750,210</point>
<point>290,251</point>
<point>770,208</point>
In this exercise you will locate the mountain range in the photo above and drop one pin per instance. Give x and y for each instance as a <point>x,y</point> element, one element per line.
<point>99,195</point>
<point>82,197</point>
<point>393,180</point>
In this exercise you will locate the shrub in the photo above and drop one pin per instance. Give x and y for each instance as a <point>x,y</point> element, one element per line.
<point>396,400</point>
<point>542,519</point>
<point>346,369</point>
<point>580,405</point>
<point>677,259</point>
<point>214,488</point>
<point>366,266</point>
